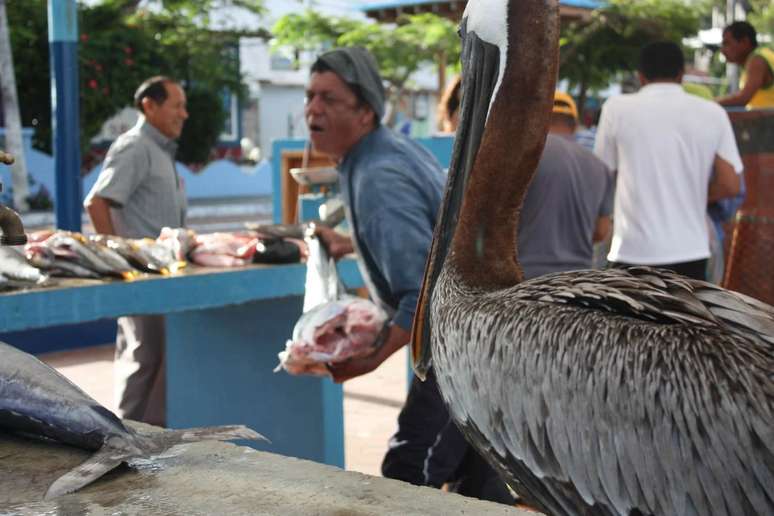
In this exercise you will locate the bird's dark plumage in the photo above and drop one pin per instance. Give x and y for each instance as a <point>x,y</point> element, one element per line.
<point>615,389</point>
<point>617,392</point>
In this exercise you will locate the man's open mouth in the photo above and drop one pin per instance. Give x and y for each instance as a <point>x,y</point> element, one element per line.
<point>315,128</point>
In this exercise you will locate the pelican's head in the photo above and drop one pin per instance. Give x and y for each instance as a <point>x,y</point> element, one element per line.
<point>509,56</point>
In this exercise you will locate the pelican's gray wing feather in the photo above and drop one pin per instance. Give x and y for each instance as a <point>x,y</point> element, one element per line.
<point>610,400</point>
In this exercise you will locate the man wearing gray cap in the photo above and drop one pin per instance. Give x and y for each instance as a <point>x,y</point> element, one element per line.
<point>392,189</point>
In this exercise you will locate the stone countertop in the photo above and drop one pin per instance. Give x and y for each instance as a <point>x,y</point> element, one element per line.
<point>215,478</point>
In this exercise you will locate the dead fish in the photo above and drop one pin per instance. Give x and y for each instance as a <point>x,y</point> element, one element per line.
<point>112,258</point>
<point>47,259</point>
<point>86,257</point>
<point>134,252</point>
<point>37,400</point>
<point>13,265</point>
<point>159,255</point>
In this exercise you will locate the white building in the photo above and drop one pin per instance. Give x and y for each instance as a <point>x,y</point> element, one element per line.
<point>275,107</point>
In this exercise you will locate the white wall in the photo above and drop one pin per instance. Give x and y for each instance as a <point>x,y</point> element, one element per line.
<point>280,106</point>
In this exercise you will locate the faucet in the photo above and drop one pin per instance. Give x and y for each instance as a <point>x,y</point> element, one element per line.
<point>10,222</point>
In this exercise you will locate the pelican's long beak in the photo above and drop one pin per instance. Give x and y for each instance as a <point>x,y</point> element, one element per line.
<point>479,78</point>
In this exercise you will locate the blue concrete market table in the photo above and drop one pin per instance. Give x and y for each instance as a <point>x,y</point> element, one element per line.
<point>224,330</point>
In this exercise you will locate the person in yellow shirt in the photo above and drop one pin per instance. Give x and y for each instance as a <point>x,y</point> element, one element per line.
<point>740,46</point>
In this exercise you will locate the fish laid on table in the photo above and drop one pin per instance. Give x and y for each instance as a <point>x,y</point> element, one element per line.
<point>179,241</point>
<point>145,254</point>
<point>36,400</point>
<point>43,257</point>
<point>88,254</point>
<point>14,266</point>
<point>225,249</point>
<point>11,284</point>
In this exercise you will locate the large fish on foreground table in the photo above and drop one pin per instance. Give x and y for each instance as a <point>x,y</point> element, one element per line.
<point>36,400</point>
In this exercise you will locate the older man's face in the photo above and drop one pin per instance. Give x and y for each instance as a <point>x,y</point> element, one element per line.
<point>335,118</point>
<point>169,116</point>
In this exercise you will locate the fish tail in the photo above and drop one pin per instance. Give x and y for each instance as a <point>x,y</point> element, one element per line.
<point>209,433</point>
<point>136,444</point>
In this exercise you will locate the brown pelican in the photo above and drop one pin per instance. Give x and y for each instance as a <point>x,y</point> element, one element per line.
<point>628,392</point>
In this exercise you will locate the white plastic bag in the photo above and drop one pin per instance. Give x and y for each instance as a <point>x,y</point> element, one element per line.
<point>322,279</point>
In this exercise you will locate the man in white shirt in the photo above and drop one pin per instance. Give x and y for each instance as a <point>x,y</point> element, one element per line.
<point>673,153</point>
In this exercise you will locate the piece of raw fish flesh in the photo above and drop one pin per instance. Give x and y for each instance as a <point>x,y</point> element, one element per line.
<point>179,241</point>
<point>224,249</point>
<point>37,400</point>
<point>332,332</point>
<point>13,265</point>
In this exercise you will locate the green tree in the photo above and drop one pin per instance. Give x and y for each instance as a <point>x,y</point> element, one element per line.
<point>759,12</point>
<point>762,16</point>
<point>399,49</point>
<point>123,42</point>
<point>594,53</point>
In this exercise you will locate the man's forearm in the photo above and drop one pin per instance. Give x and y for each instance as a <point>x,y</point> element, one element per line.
<point>396,338</point>
<point>602,229</point>
<point>725,181</point>
<point>99,213</point>
<point>740,98</point>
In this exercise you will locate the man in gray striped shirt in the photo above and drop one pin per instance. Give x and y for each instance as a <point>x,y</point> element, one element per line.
<point>138,192</point>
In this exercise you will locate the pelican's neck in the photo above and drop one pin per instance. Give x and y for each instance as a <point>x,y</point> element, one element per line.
<point>484,245</point>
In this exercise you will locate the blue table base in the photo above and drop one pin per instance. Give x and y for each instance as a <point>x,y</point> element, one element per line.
<point>219,371</point>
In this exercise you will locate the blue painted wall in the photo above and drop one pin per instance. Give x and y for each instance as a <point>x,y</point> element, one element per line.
<point>221,178</point>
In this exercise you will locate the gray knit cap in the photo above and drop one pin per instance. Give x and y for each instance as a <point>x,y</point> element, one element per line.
<point>357,67</point>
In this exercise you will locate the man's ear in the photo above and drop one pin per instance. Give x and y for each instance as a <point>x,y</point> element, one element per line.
<point>368,117</point>
<point>148,104</point>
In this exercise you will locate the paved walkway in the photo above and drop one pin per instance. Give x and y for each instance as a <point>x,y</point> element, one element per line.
<point>371,402</point>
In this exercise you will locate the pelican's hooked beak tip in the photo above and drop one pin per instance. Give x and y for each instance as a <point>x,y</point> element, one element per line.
<point>420,369</point>
<point>421,358</point>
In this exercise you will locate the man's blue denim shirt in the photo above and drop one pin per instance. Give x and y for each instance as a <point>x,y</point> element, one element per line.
<point>392,188</point>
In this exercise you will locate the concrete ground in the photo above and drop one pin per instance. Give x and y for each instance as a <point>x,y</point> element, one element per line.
<point>371,402</point>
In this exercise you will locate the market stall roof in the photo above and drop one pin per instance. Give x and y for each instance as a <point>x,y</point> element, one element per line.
<point>389,10</point>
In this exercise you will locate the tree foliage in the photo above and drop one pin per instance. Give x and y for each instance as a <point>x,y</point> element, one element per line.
<point>761,15</point>
<point>595,52</point>
<point>123,42</point>
<point>399,49</point>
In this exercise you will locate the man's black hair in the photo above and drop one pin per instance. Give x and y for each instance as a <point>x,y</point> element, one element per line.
<point>154,89</point>
<point>661,60</point>
<point>321,66</point>
<point>740,30</point>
